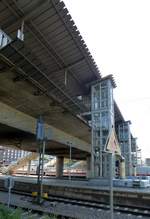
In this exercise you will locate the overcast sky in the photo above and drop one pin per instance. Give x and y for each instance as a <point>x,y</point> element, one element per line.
<point>117,33</point>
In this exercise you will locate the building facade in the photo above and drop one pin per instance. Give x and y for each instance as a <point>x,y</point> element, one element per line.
<point>8,155</point>
<point>102,114</point>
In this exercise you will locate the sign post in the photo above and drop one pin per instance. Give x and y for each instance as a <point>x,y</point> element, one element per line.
<point>41,146</point>
<point>112,147</point>
<point>111,185</point>
<point>70,157</point>
<point>9,184</point>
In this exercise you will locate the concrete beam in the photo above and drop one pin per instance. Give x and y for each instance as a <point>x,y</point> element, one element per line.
<point>14,118</point>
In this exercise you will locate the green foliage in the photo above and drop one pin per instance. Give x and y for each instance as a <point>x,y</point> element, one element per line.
<point>8,213</point>
<point>68,162</point>
<point>4,212</point>
<point>16,214</point>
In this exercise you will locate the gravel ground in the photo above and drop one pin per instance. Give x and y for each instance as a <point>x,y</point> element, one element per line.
<point>69,210</point>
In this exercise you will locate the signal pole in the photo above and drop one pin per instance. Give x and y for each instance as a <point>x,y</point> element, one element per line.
<point>41,141</point>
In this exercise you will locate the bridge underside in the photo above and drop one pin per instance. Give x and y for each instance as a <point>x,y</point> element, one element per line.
<point>17,131</point>
<point>18,103</point>
<point>44,75</point>
<point>22,96</point>
<point>15,138</point>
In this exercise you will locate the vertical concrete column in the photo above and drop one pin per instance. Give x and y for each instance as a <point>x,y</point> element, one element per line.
<point>29,167</point>
<point>59,166</point>
<point>88,170</point>
<point>122,169</point>
<point>106,165</point>
<point>134,170</point>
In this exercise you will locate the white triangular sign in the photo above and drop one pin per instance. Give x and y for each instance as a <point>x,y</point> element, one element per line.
<point>113,144</point>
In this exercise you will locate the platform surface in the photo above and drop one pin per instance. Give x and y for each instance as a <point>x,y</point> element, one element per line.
<point>82,184</point>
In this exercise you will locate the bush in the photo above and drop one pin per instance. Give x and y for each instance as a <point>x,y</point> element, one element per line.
<point>9,213</point>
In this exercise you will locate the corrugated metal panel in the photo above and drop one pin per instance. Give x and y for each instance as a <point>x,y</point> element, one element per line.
<point>60,7</point>
<point>54,41</point>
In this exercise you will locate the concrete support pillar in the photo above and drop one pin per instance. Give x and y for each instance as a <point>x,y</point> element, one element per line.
<point>105,165</point>
<point>59,167</point>
<point>29,167</point>
<point>134,170</point>
<point>122,169</point>
<point>88,170</point>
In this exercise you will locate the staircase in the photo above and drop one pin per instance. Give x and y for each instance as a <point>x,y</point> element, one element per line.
<point>20,163</point>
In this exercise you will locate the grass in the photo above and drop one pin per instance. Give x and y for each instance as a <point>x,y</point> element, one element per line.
<point>9,213</point>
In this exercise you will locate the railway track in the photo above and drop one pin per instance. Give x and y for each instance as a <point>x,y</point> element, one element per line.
<point>129,210</point>
<point>103,206</point>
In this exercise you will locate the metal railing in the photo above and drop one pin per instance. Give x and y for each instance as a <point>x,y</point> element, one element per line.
<point>4,39</point>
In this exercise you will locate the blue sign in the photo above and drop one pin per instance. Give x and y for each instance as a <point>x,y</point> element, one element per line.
<point>40,129</point>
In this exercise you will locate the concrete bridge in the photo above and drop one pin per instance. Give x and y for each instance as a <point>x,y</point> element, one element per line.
<point>45,69</point>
